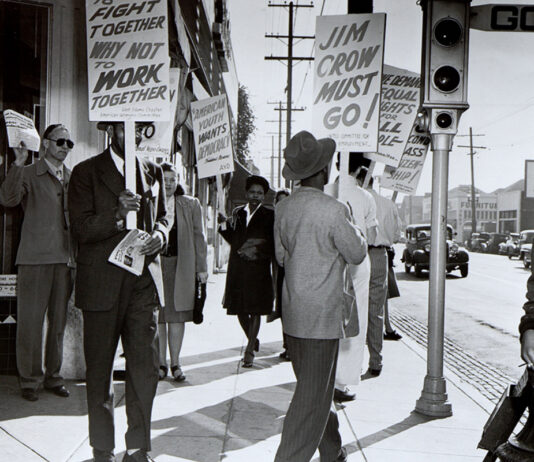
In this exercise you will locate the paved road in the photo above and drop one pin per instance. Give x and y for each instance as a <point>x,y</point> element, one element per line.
<point>482,310</point>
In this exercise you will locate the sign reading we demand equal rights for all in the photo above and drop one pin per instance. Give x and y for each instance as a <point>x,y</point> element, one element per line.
<point>128,60</point>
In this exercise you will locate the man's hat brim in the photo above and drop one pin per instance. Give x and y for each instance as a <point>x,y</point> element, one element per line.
<point>328,147</point>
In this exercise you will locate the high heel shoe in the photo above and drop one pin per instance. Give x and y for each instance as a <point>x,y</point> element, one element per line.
<point>248,359</point>
<point>163,372</point>
<point>177,373</point>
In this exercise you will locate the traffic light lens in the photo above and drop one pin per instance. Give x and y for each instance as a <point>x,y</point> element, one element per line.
<point>446,79</point>
<point>443,120</point>
<point>448,32</point>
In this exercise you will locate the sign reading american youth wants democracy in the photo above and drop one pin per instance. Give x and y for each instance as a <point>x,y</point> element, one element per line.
<point>213,138</point>
<point>128,60</point>
<point>347,79</point>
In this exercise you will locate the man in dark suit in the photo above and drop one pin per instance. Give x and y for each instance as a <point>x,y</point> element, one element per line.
<point>44,260</point>
<point>115,302</point>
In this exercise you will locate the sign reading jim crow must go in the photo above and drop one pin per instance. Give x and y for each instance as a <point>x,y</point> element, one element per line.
<point>505,18</point>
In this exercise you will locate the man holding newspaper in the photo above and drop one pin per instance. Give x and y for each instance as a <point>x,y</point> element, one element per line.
<point>116,302</point>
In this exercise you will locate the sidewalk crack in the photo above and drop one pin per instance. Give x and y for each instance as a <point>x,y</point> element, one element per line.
<point>23,444</point>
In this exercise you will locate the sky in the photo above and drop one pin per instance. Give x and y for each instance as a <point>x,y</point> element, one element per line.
<point>500,85</point>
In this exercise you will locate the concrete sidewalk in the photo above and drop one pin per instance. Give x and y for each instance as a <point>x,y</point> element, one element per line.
<point>225,412</point>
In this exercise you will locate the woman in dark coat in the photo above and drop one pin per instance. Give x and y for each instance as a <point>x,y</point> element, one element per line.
<point>249,285</point>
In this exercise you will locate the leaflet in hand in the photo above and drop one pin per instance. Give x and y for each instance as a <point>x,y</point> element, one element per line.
<point>127,253</point>
<point>21,128</point>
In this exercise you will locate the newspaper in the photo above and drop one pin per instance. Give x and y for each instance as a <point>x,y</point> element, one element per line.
<point>21,128</point>
<point>126,255</point>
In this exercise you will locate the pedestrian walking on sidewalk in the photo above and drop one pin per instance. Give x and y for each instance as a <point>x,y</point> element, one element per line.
<point>352,349</point>
<point>116,303</point>
<point>388,232</point>
<point>393,292</point>
<point>314,241</point>
<point>279,278</point>
<point>249,285</point>
<point>45,260</point>
<point>184,265</point>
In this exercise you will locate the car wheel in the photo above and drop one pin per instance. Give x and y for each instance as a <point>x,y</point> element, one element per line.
<point>407,267</point>
<point>418,271</point>
<point>464,270</point>
<point>526,263</point>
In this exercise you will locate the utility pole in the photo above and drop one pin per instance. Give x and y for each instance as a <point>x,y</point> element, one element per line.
<point>473,196</point>
<point>290,58</point>
<point>272,160</point>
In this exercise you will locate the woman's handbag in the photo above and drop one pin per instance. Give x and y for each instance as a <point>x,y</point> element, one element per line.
<point>200,299</point>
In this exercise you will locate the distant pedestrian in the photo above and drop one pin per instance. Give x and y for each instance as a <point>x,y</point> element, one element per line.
<point>314,241</point>
<point>393,292</point>
<point>388,232</point>
<point>279,277</point>
<point>249,285</point>
<point>45,260</point>
<point>184,265</point>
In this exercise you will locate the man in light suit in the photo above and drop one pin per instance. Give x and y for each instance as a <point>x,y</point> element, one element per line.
<point>314,241</point>
<point>116,303</point>
<point>44,260</point>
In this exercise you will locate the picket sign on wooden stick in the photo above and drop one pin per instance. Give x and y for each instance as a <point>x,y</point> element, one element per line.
<point>129,168</point>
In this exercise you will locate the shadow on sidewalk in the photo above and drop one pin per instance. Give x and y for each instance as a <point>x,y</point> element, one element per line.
<point>409,422</point>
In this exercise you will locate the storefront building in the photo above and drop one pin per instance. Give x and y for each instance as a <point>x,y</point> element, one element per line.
<point>44,76</point>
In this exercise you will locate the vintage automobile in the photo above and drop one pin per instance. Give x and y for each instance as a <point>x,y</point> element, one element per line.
<point>478,242</point>
<point>492,245</point>
<point>510,247</point>
<point>525,246</point>
<point>417,251</point>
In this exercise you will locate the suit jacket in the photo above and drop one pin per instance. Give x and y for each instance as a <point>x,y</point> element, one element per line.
<point>45,230</point>
<point>94,189</point>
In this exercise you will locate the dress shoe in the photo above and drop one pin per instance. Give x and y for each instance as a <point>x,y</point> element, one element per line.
<point>374,372</point>
<point>177,373</point>
<point>138,456</point>
<point>393,335</point>
<point>343,395</point>
<point>342,456</point>
<point>248,359</point>
<point>163,370</point>
<point>60,390</point>
<point>29,394</point>
<point>103,456</point>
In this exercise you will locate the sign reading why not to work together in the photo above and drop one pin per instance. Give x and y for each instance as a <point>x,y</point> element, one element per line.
<point>213,138</point>
<point>128,60</point>
<point>347,79</point>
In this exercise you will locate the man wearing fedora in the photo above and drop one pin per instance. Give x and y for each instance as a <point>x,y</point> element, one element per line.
<point>314,241</point>
<point>116,303</point>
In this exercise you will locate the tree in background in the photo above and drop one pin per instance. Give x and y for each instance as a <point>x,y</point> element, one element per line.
<point>245,125</point>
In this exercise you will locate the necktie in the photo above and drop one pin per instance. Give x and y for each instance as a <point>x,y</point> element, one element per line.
<point>59,174</point>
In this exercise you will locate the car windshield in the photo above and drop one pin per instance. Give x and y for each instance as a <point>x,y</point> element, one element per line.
<point>527,237</point>
<point>425,233</point>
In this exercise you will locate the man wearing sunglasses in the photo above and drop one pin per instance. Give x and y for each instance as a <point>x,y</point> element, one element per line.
<point>44,259</point>
<point>116,303</point>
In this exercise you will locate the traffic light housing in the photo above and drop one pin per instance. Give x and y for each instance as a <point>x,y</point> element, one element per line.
<point>445,63</point>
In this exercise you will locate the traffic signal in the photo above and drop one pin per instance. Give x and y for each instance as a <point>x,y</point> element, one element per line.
<point>445,63</point>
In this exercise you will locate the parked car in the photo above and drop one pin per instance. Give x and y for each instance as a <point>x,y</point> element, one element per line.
<point>492,245</point>
<point>417,251</point>
<point>478,242</point>
<point>510,247</point>
<point>525,246</point>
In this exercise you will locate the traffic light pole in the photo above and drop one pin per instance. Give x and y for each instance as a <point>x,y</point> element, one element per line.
<point>433,400</point>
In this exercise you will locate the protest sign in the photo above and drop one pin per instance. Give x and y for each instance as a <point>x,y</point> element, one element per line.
<point>213,138</point>
<point>128,60</point>
<point>21,128</point>
<point>347,79</point>
<point>398,110</point>
<point>405,177</point>
<point>160,141</point>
